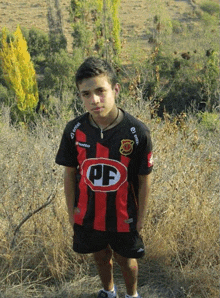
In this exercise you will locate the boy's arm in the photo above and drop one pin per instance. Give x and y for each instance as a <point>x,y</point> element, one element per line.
<point>69,188</point>
<point>143,195</point>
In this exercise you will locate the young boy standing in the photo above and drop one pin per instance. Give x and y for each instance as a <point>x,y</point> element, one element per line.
<point>107,155</point>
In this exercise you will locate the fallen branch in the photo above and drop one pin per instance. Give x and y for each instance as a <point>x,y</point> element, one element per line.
<point>48,201</point>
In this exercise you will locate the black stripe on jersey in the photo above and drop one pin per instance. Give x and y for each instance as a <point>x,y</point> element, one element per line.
<point>111,219</point>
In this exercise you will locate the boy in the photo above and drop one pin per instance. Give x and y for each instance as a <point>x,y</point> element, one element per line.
<point>107,157</point>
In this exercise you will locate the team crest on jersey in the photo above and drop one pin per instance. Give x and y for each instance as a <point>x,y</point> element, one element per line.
<point>126,147</point>
<point>102,174</point>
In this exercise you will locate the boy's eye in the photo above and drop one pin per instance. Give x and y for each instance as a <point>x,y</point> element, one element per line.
<point>100,90</point>
<point>85,94</point>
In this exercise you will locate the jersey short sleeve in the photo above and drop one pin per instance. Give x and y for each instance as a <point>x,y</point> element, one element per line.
<point>67,154</point>
<point>145,156</point>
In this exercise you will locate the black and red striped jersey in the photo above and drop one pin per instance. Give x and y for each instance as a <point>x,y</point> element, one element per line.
<point>106,196</point>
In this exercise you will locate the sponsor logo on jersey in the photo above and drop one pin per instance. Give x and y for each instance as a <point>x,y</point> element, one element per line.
<point>84,145</point>
<point>150,159</point>
<point>128,221</point>
<point>140,250</point>
<point>126,147</point>
<point>133,130</point>
<point>72,134</point>
<point>102,174</point>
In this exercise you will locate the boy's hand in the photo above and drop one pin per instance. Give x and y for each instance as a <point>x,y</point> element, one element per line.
<point>71,220</point>
<point>140,225</point>
<point>71,216</point>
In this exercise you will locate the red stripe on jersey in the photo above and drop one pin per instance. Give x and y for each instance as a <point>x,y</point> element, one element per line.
<point>100,197</point>
<point>121,202</point>
<point>83,195</point>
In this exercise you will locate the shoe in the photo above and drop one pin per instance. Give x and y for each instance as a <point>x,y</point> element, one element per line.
<point>127,296</point>
<point>103,294</point>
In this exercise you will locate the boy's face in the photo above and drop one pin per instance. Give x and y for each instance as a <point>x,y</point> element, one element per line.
<point>98,95</point>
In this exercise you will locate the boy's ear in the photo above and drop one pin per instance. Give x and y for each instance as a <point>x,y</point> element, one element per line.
<point>117,89</point>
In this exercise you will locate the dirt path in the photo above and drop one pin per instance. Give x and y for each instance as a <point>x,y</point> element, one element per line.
<point>153,282</point>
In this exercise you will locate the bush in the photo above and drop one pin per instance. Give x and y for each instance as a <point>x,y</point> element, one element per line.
<point>38,43</point>
<point>177,26</point>
<point>208,19</point>
<point>178,82</point>
<point>58,74</point>
<point>3,93</point>
<point>210,7</point>
<point>209,121</point>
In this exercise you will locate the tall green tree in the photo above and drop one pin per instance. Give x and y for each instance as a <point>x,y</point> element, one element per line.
<point>57,38</point>
<point>96,28</point>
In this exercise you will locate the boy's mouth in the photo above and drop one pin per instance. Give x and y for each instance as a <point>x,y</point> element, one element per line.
<point>97,109</point>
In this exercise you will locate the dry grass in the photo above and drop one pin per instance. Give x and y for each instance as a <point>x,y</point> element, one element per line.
<point>182,225</point>
<point>181,231</point>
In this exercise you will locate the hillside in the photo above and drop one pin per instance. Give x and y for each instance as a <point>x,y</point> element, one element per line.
<point>136,17</point>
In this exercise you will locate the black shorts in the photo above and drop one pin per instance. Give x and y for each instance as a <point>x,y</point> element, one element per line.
<point>128,245</point>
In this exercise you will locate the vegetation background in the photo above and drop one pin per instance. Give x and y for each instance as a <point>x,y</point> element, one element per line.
<point>166,56</point>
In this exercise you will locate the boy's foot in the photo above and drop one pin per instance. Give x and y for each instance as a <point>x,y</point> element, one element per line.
<point>138,296</point>
<point>104,294</point>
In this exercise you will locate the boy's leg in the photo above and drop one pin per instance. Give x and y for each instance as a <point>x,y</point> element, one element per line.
<point>128,247</point>
<point>104,263</point>
<point>129,268</point>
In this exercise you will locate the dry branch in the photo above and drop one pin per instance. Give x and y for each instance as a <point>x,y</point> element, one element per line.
<point>49,200</point>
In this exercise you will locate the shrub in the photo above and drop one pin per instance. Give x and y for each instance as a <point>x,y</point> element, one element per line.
<point>177,26</point>
<point>208,19</point>
<point>38,42</point>
<point>59,73</point>
<point>178,82</point>
<point>210,7</point>
<point>209,121</point>
<point>3,93</point>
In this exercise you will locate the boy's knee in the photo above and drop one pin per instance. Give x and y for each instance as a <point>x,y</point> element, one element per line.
<point>125,262</point>
<point>104,256</point>
<point>122,261</point>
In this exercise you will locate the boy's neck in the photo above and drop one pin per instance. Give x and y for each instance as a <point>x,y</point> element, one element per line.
<point>115,116</point>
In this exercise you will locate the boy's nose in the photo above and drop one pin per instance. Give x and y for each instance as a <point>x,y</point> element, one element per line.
<point>95,98</point>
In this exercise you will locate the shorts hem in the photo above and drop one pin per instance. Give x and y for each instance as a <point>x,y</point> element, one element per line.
<point>134,255</point>
<point>86,252</point>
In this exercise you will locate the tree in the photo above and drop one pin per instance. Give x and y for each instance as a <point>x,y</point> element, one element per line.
<point>18,71</point>
<point>59,74</point>
<point>96,28</point>
<point>56,35</point>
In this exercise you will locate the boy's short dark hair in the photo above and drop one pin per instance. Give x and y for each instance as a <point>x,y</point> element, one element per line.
<point>93,67</point>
